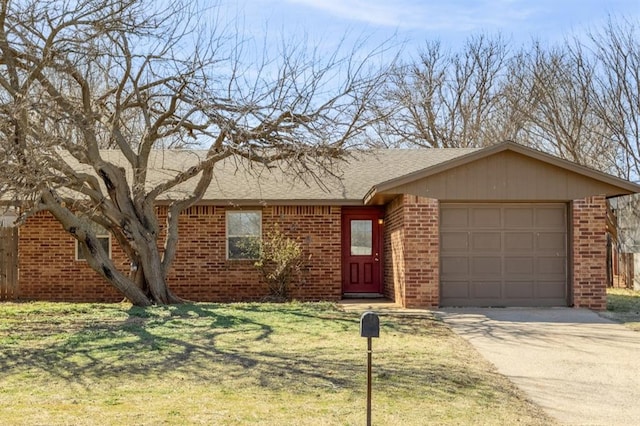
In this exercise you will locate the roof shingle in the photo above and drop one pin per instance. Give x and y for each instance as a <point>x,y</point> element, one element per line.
<point>237,181</point>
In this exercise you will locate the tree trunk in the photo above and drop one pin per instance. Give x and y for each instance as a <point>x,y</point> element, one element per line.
<point>155,278</point>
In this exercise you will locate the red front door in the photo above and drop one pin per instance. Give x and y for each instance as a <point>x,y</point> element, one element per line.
<point>362,251</point>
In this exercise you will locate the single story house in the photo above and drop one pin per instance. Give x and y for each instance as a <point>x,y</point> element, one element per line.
<point>498,226</point>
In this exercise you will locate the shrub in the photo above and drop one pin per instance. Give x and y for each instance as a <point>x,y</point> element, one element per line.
<point>280,262</point>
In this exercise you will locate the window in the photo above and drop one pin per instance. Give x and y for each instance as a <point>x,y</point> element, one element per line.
<point>361,237</point>
<point>244,229</point>
<point>104,239</point>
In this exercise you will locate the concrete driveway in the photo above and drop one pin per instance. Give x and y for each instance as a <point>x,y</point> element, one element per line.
<point>580,368</point>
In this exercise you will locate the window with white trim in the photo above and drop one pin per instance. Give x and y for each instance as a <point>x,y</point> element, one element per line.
<point>244,230</point>
<point>104,239</point>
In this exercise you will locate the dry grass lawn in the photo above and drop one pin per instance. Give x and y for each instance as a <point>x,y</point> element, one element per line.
<point>258,364</point>
<point>623,305</point>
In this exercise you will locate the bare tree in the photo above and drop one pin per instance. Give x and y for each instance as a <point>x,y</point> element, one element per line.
<point>617,104</point>
<point>577,100</point>
<point>449,99</point>
<point>78,76</point>
<point>556,105</point>
<point>617,90</point>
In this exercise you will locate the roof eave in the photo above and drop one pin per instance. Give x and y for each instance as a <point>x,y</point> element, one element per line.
<point>273,202</point>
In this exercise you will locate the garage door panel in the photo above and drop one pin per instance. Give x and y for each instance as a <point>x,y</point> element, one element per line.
<point>519,289</point>
<point>485,265</point>
<point>519,266</point>
<point>550,218</point>
<point>455,289</point>
<point>483,217</point>
<point>454,241</point>
<point>454,218</point>
<point>486,241</point>
<point>552,266</point>
<point>519,241</point>
<point>518,217</point>
<point>503,254</point>
<point>486,289</point>
<point>551,289</point>
<point>454,265</point>
<point>551,241</point>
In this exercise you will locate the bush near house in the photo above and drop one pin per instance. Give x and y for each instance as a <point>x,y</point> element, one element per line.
<point>280,263</point>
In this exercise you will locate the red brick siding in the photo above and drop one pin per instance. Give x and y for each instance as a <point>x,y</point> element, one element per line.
<point>412,243</point>
<point>48,269</point>
<point>394,279</point>
<point>200,271</point>
<point>422,252</point>
<point>589,245</point>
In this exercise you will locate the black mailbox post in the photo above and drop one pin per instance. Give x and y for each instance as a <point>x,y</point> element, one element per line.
<point>369,327</point>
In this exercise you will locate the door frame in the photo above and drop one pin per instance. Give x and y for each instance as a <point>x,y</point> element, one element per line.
<point>376,214</point>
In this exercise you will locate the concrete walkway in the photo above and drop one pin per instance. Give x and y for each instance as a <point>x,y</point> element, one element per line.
<point>580,368</point>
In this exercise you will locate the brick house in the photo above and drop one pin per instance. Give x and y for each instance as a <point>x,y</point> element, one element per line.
<point>499,226</point>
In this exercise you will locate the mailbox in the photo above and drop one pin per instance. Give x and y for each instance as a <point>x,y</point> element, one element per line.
<point>369,325</point>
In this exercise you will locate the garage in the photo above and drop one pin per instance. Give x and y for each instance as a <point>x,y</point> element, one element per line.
<point>503,254</point>
<point>504,225</point>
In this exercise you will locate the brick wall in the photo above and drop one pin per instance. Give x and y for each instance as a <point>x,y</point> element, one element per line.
<point>412,242</point>
<point>394,278</point>
<point>589,245</point>
<point>47,269</point>
<point>422,251</point>
<point>200,271</point>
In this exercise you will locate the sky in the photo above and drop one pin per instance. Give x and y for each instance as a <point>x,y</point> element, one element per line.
<point>412,22</point>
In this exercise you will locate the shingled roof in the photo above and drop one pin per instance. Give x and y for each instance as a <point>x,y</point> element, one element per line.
<point>363,178</point>
<point>236,181</point>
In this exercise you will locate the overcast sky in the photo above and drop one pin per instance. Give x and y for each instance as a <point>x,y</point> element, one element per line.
<point>414,21</point>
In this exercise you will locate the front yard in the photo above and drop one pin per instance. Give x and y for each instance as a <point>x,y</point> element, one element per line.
<point>259,364</point>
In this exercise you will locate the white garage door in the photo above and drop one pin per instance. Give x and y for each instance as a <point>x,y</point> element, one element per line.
<point>503,255</point>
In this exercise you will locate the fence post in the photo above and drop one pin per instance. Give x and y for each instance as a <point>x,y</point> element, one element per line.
<point>8,262</point>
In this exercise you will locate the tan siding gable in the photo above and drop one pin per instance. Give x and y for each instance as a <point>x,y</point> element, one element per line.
<point>506,176</point>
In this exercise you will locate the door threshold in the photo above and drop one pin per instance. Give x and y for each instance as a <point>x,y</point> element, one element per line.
<point>362,296</point>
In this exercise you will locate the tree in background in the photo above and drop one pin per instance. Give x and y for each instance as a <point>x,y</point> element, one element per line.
<point>557,105</point>
<point>578,100</point>
<point>617,91</point>
<point>448,99</point>
<point>136,76</point>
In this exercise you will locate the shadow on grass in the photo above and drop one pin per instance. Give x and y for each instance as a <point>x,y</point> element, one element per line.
<point>217,343</point>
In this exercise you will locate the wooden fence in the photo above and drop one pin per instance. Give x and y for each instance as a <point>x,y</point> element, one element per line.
<point>8,263</point>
